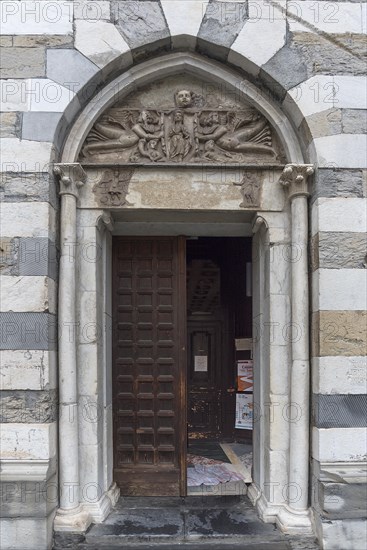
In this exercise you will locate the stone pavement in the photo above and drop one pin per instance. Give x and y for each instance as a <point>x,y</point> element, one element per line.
<point>191,523</point>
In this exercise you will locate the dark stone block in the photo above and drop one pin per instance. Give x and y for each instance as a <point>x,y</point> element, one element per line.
<point>35,406</point>
<point>226,522</point>
<point>334,182</point>
<point>28,330</point>
<point>341,500</point>
<point>222,22</point>
<point>140,23</point>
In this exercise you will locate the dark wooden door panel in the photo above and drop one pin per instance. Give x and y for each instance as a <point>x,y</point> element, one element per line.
<point>204,379</point>
<point>149,429</point>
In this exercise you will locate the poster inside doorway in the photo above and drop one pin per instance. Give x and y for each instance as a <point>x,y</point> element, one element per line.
<point>245,375</point>
<point>244,411</point>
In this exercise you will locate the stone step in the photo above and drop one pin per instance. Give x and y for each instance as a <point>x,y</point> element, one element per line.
<point>229,544</point>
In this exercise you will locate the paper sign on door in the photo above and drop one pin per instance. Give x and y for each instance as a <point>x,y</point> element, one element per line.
<point>201,363</point>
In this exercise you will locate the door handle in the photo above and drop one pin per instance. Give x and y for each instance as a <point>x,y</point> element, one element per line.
<point>231,390</point>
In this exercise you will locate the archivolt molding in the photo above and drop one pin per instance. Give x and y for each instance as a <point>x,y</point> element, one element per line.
<point>178,63</point>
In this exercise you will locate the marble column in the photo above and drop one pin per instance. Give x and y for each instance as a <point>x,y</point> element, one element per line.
<point>70,516</point>
<point>294,179</point>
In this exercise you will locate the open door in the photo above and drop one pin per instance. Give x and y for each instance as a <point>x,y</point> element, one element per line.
<point>149,372</point>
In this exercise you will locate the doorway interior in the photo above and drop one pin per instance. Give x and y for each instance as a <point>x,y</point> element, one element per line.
<point>219,365</point>
<point>182,406</point>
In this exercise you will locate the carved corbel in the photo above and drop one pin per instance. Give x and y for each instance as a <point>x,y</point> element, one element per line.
<point>105,221</point>
<point>72,177</point>
<point>259,222</point>
<point>295,179</point>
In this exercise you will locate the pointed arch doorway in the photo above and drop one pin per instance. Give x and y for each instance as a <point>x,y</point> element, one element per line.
<point>267,199</point>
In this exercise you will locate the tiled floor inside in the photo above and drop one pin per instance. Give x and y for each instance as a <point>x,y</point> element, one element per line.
<point>215,468</point>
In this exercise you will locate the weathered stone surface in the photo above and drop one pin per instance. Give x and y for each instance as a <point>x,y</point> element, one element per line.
<point>348,534</point>
<point>28,187</point>
<point>28,406</point>
<point>329,182</point>
<point>28,370</point>
<point>364,182</point>
<point>339,411</point>
<point>42,17</point>
<point>40,126</point>
<point>16,533</point>
<point>222,22</point>
<point>259,40</point>
<point>28,498</point>
<point>339,333</point>
<point>341,500</point>
<point>338,375</point>
<point>67,541</point>
<point>28,331</point>
<point>184,23</point>
<point>9,256</point>
<point>69,68</point>
<point>334,250</point>
<point>141,23</point>
<point>6,41</point>
<point>30,41</point>
<point>287,68</point>
<point>9,125</point>
<point>37,256</point>
<point>23,62</point>
<point>107,44</point>
<point>15,295</point>
<point>25,156</point>
<point>91,10</point>
<point>326,123</point>
<point>35,219</point>
<point>354,121</point>
<point>324,56</point>
<point>332,122</point>
<point>33,441</point>
<point>344,150</point>
<point>308,54</point>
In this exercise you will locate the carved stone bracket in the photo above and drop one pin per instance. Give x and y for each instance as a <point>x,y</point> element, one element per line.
<point>72,177</point>
<point>295,179</point>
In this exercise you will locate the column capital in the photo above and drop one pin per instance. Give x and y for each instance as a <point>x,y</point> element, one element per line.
<point>295,179</point>
<point>72,176</point>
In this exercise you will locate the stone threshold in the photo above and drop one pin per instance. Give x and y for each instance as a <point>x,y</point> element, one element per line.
<point>172,523</point>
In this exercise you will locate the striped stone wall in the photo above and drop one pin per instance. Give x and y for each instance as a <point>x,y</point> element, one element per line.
<point>307,55</point>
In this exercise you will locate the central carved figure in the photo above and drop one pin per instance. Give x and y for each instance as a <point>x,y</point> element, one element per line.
<point>188,132</point>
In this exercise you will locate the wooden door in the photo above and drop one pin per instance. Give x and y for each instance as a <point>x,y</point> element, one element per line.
<point>204,379</point>
<point>149,365</point>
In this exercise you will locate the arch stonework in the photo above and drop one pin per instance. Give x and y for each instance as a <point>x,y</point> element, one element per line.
<point>280,486</point>
<point>308,66</point>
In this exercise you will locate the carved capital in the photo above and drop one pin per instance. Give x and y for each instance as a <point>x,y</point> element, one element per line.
<point>72,176</point>
<point>295,179</point>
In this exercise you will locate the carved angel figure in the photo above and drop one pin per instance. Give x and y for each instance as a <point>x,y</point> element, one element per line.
<point>236,134</point>
<point>108,134</point>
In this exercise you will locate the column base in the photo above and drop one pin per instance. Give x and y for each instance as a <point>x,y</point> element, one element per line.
<point>294,522</point>
<point>288,520</point>
<point>76,520</point>
<point>98,511</point>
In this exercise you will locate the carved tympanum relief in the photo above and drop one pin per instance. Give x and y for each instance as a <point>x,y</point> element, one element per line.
<point>169,123</point>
